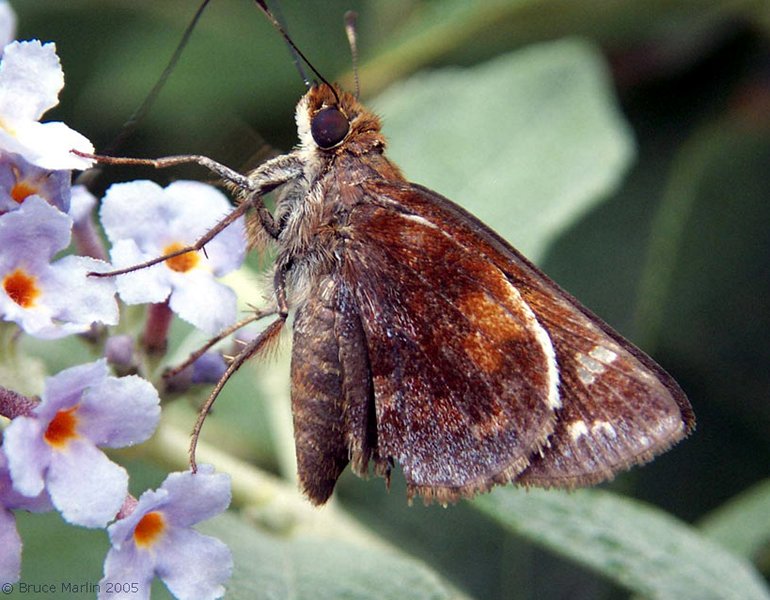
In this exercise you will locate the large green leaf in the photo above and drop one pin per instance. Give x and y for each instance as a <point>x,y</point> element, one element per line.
<point>460,30</point>
<point>743,523</point>
<point>641,548</point>
<point>528,142</point>
<point>318,567</point>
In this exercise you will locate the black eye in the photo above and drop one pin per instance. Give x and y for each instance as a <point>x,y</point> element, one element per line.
<point>329,127</point>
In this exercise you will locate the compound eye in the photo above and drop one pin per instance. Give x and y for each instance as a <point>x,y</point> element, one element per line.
<point>329,127</point>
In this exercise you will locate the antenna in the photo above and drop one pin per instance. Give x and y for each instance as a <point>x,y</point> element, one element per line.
<point>130,125</point>
<point>350,30</point>
<point>263,7</point>
<point>294,56</point>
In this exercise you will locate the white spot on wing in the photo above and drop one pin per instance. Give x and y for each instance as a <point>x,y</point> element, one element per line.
<point>420,220</point>
<point>602,354</point>
<point>603,428</point>
<point>541,335</point>
<point>593,364</point>
<point>554,401</point>
<point>588,368</point>
<point>577,429</point>
<point>667,426</point>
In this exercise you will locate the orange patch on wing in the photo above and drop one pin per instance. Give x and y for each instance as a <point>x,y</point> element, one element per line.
<point>62,428</point>
<point>149,529</point>
<point>494,326</point>
<point>182,263</point>
<point>21,288</point>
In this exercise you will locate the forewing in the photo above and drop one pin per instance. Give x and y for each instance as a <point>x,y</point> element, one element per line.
<point>618,407</point>
<point>464,377</point>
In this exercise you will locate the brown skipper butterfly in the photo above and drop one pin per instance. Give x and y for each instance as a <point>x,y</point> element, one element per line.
<point>422,338</point>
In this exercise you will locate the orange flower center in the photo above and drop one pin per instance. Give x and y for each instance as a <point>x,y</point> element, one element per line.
<point>62,428</point>
<point>149,529</point>
<point>21,288</point>
<point>21,190</point>
<point>183,262</point>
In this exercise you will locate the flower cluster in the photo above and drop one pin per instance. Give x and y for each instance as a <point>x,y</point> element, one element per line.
<point>51,256</point>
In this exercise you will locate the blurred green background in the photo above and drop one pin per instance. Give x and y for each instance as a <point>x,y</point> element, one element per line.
<point>677,257</point>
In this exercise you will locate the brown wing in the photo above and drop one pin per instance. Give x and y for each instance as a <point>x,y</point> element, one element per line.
<point>464,377</point>
<point>419,266</point>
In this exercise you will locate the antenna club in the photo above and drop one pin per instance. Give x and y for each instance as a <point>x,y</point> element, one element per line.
<point>350,29</point>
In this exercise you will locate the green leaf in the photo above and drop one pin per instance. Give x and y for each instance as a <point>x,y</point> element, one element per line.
<point>459,30</point>
<point>680,197</point>
<point>639,547</point>
<point>742,525</point>
<point>527,142</point>
<point>316,567</point>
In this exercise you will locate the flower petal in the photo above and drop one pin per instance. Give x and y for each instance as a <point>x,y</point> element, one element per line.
<point>31,78</point>
<point>202,301</point>
<point>198,207</point>
<point>20,179</point>
<point>10,498</point>
<point>85,486</point>
<point>10,542</point>
<point>7,24</point>
<point>195,497</point>
<point>49,145</point>
<point>28,455</point>
<point>36,321</point>
<point>65,389</point>
<point>82,203</point>
<point>120,412</point>
<point>78,299</point>
<point>65,299</point>
<point>33,234</point>
<point>122,531</point>
<point>194,566</point>
<point>143,285</point>
<point>209,368</point>
<point>136,210</point>
<point>123,567</point>
<point>69,300</point>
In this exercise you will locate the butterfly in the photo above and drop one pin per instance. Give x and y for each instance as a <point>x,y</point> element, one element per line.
<point>421,338</point>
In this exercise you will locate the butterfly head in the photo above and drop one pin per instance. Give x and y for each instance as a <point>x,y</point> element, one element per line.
<point>330,120</point>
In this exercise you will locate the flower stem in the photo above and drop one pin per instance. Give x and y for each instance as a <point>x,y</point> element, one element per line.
<point>155,338</point>
<point>87,240</point>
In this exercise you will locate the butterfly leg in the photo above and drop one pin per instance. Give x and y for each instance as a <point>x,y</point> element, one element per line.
<point>259,182</point>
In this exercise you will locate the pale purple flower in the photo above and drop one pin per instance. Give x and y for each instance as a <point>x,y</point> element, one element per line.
<point>20,179</point>
<point>209,368</point>
<point>119,350</point>
<point>31,78</point>
<point>144,221</point>
<point>10,542</point>
<point>82,203</point>
<point>49,300</point>
<point>81,409</point>
<point>86,238</point>
<point>7,24</point>
<point>157,539</point>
